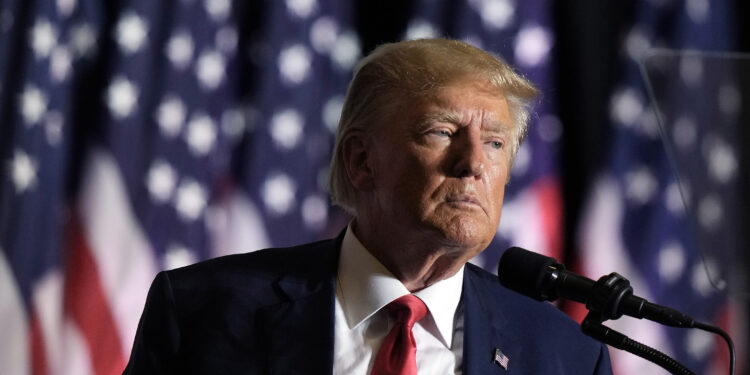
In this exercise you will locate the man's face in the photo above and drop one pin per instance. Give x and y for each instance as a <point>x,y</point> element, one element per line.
<point>440,167</point>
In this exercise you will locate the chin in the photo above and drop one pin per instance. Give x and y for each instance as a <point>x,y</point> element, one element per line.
<point>467,232</point>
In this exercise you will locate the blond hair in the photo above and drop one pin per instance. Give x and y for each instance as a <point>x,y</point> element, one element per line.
<point>395,72</point>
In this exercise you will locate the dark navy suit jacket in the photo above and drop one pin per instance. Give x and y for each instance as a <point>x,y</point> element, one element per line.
<point>272,312</point>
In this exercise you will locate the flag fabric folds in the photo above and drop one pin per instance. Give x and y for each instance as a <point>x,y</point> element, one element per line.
<point>139,135</point>
<point>142,136</point>
<point>635,222</point>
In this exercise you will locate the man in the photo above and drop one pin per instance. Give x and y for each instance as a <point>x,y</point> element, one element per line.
<point>423,152</point>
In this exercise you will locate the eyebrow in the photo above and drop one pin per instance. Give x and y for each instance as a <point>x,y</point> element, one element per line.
<point>455,117</point>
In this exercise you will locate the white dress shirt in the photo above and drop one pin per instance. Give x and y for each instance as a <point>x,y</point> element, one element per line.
<point>364,287</point>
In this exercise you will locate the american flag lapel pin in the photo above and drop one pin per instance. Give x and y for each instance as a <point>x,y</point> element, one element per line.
<point>501,359</point>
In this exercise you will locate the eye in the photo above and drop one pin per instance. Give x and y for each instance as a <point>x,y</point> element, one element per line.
<point>496,145</point>
<point>443,133</point>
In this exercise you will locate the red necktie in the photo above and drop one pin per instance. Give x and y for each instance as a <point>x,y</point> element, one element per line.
<point>398,352</point>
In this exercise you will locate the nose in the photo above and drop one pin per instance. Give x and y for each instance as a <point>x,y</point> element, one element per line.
<point>469,156</point>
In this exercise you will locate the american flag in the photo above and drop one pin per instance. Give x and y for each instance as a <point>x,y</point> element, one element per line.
<point>635,221</point>
<point>143,135</point>
<point>521,33</point>
<point>501,359</point>
<point>139,136</point>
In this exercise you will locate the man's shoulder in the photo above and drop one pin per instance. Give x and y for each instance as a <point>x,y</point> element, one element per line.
<point>526,312</point>
<point>310,260</point>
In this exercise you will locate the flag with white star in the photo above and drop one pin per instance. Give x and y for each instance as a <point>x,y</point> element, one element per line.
<point>521,34</point>
<point>142,136</point>
<point>635,221</point>
<point>305,66</point>
<point>44,57</point>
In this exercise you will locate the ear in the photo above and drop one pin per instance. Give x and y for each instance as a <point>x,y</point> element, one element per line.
<point>357,158</point>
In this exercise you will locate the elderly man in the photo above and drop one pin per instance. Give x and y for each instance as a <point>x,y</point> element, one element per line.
<point>424,149</point>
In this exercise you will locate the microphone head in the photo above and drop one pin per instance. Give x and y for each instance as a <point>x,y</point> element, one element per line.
<point>528,273</point>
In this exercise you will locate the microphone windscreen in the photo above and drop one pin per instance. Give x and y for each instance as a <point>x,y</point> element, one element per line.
<point>524,271</point>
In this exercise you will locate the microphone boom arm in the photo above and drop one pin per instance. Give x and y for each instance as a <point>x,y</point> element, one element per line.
<point>593,327</point>
<point>610,297</point>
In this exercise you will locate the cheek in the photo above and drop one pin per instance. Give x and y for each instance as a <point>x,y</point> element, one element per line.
<point>420,188</point>
<point>406,184</point>
<point>421,172</point>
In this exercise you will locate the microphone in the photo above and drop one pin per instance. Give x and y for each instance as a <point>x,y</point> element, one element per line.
<point>544,279</point>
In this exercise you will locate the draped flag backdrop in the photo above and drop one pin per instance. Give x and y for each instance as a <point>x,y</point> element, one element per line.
<point>635,221</point>
<point>144,135</point>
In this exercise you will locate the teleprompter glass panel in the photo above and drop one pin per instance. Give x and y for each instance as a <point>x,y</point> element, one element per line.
<point>702,102</point>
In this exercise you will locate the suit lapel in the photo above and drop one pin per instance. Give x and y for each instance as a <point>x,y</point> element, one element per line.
<point>300,330</point>
<point>485,331</point>
<point>300,334</point>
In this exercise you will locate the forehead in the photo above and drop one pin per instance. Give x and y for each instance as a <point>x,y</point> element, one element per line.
<point>466,103</point>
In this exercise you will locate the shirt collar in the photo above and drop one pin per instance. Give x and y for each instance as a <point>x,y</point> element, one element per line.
<point>365,286</point>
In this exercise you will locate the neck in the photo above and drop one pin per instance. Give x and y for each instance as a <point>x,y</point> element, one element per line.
<point>417,262</point>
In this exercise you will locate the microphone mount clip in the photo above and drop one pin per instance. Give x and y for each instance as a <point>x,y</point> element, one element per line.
<point>607,296</point>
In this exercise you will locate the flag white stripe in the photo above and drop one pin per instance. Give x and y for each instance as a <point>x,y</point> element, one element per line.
<point>48,302</point>
<point>66,350</point>
<point>236,226</point>
<point>522,225</point>
<point>124,257</point>
<point>75,358</point>
<point>14,358</point>
<point>603,249</point>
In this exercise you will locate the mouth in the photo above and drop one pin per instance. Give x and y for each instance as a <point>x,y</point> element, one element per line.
<point>463,200</point>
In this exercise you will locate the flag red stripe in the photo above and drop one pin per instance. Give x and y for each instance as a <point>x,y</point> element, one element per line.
<point>548,193</point>
<point>36,342</point>
<point>724,321</point>
<point>85,300</point>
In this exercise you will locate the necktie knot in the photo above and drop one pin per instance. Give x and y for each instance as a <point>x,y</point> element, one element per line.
<point>397,354</point>
<point>407,310</point>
